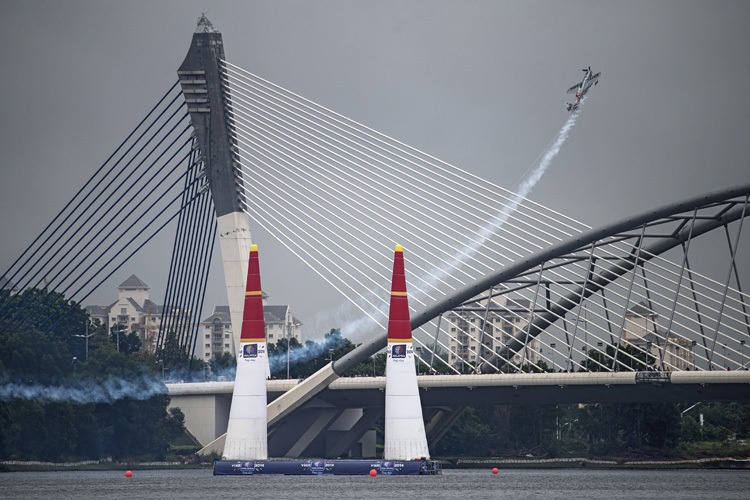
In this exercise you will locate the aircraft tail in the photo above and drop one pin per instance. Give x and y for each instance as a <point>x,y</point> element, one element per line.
<point>405,437</point>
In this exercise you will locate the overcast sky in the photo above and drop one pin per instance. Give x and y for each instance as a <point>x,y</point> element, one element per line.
<point>479,84</point>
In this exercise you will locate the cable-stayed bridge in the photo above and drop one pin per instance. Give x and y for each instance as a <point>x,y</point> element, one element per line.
<point>498,284</point>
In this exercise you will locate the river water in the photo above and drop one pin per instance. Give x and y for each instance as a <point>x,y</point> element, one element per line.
<point>567,484</point>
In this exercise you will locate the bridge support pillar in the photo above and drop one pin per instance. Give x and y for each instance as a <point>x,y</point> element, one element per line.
<point>206,416</point>
<point>438,421</point>
<point>341,442</point>
<point>316,428</point>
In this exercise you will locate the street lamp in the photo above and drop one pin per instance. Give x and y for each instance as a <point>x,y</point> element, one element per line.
<point>119,331</point>
<point>288,346</point>
<point>330,355</point>
<point>161,362</point>
<point>552,352</point>
<point>692,352</point>
<point>86,336</point>
<point>742,352</point>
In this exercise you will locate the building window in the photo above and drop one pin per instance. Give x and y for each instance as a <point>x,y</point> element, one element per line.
<point>208,327</point>
<point>473,348</point>
<point>270,335</point>
<point>208,354</point>
<point>153,318</point>
<point>208,335</point>
<point>123,310</point>
<point>132,319</point>
<point>226,345</point>
<point>226,335</point>
<point>208,345</point>
<point>453,329</point>
<point>453,356</point>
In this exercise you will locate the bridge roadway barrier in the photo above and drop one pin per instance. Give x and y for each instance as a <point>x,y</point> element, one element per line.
<point>206,404</point>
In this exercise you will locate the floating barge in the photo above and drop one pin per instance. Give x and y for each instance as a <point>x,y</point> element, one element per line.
<point>326,467</point>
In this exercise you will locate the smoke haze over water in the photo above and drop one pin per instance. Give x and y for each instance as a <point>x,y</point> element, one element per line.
<point>83,392</point>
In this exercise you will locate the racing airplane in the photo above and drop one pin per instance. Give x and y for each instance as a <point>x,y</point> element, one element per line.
<point>582,88</point>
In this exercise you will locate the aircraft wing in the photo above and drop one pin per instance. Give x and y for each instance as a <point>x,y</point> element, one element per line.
<point>574,88</point>
<point>591,82</point>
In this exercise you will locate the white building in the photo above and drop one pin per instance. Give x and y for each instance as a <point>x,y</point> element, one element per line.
<point>215,331</point>
<point>134,311</point>
<point>468,329</point>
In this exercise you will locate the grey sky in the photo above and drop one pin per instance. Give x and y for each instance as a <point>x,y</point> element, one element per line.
<point>478,84</point>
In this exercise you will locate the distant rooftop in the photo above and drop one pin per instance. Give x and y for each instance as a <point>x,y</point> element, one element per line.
<point>134,283</point>
<point>640,309</point>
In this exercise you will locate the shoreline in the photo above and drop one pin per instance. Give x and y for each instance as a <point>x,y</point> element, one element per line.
<point>592,463</point>
<point>499,463</point>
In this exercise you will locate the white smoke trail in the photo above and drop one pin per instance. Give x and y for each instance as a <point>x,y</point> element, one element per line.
<point>524,189</point>
<point>302,354</point>
<point>110,390</point>
<point>357,325</point>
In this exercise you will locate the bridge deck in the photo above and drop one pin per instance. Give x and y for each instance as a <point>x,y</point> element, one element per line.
<point>520,388</point>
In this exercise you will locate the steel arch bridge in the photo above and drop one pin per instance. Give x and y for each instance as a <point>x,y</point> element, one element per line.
<point>623,248</point>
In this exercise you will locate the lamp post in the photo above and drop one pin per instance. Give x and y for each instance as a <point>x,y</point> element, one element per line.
<point>692,352</point>
<point>742,352</point>
<point>418,349</point>
<point>119,330</point>
<point>330,355</point>
<point>161,362</point>
<point>288,346</point>
<point>552,352</point>
<point>86,336</point>
<point>585,356</point>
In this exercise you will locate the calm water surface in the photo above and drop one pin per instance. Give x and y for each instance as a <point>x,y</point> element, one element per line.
<point>453,484</point>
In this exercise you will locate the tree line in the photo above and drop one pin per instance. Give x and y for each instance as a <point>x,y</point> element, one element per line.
<point>599,430</point>
<point>41,418</point>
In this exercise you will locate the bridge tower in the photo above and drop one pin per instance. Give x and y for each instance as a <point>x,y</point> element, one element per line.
<point>211,117</point>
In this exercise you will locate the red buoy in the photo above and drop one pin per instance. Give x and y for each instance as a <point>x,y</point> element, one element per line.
<point>128,474</point>
<point>494,470</point>
<point>373,472</point>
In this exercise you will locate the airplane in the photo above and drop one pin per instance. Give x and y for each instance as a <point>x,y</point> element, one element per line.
<point>582,88</point>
